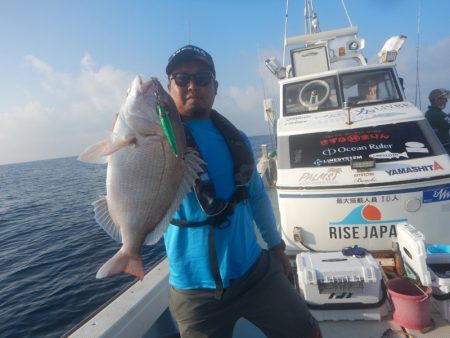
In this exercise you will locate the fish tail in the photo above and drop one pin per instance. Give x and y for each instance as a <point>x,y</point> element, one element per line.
<point>121,262</point>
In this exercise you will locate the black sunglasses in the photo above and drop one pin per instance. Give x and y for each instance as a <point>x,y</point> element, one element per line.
<point>201,79</point>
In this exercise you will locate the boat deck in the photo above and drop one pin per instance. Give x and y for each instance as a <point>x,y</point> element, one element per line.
<point>376,329</point>
<point>142,311</point>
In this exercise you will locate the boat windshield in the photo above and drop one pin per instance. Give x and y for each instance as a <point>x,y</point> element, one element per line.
<point>369,87</point>
<point>358,89</point>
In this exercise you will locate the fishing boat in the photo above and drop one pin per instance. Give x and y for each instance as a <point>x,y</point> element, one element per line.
<point>354,159</point>
<point>351,166</point>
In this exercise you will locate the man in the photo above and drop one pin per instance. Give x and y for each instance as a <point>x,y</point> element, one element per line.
<point>369,91</point>
<point>218,272</point>
<point>436,116</point>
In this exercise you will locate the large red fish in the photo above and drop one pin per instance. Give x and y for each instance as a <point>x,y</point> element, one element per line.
<point>149,172</point>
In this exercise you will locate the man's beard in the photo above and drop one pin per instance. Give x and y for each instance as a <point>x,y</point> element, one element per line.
<point>197,113</point>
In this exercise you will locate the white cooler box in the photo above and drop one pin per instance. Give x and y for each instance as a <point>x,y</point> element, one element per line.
<point>338,287</point>
<point>432,269</point>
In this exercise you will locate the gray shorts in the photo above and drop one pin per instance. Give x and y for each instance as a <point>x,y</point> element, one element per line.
<point>264,296</point>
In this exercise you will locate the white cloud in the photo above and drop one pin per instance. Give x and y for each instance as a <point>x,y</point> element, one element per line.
<point>50,77</point>
<point>72,112</point>
<point>39,64</point>
<point>244,105</point>
<point>87,62</point>
<point>246,99</point>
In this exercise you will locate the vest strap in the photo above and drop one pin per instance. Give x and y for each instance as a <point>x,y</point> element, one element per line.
<point>240,194</point>
<point>213,264</point>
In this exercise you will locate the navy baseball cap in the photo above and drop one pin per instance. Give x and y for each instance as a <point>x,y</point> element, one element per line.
<point>438,93</point>
<point>188,53</point>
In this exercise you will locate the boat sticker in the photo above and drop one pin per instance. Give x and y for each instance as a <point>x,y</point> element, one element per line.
<point>383,110</point>
<point>416,147</point>
<point>414,169</point>
<point>322,177</point>
<point>343,149</point>
<point>397,105</point>
<point>362,114</point>
<point>364,177</point>
<point>336,160</point>
<point>354,200</point>
<point>327,116</point>
<point>353,137</point>
<point>364,199</point>
<point>296,120</point>
<point>364,222</point>
<point>436,195</point>
<point>387,155</point>
<point>384,143</point>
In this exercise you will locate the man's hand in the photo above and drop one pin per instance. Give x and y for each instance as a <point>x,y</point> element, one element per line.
<point>283,259</point>
<point>278,251</point>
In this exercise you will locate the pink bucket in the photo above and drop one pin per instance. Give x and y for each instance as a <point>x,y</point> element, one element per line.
<point>412,304</point>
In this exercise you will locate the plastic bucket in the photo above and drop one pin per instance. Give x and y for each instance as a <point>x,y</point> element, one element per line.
<point>412,304</point>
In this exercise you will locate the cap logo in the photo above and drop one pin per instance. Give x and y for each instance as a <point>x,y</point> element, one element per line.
<point>195,49</point>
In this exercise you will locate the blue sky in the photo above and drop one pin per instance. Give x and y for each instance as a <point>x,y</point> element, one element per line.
<point>65,65</point>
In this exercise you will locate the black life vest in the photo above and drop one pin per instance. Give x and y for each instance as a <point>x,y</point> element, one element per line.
<point>217,209</point>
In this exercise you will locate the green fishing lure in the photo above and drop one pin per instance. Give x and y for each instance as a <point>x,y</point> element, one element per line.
<point>167,127</point>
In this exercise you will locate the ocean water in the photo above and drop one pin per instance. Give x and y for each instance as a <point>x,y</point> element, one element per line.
<point>51,247</point>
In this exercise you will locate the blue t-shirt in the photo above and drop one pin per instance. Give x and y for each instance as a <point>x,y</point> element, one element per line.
<point>236,245</point>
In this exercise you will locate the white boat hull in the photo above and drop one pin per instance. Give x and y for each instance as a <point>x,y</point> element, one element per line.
<point>331,220</point>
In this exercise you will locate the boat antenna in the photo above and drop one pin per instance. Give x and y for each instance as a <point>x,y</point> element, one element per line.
<point>311,19</point>
<point>346,13</point>
<point>285,31</point>
<point>269,114</point>
<point>417,99</point>
<point>189,31</point>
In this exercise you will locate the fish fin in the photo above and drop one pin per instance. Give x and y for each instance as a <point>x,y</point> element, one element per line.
<point>193,166</point>
<point>104,219</point>
<point>99,152</point>
<point>121,262</point>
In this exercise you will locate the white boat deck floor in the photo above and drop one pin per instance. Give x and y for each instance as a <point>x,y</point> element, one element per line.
<point>376,329</point>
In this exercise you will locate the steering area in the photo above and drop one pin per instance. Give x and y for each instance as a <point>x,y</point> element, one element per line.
<point>314,93</point>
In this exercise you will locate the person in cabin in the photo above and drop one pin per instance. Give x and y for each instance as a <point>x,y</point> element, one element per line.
<point>436,116</point>
<point>369,91</point>
<point>218,272</point>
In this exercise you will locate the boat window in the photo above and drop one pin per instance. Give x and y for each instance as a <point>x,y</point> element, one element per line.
<point>310,96</point>
<point>384,143</point>
<point>370,87</point>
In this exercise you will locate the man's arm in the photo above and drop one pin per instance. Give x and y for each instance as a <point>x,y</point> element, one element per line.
<point>265,220</point>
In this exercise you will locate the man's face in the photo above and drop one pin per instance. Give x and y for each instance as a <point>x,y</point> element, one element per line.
<point>441,102</point>
<point>371,92</point>
<point>192,100</point>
